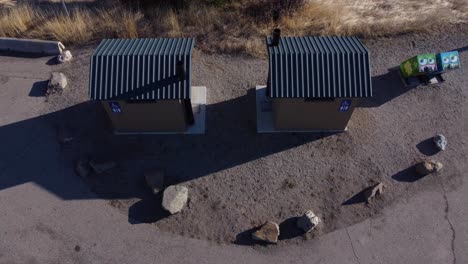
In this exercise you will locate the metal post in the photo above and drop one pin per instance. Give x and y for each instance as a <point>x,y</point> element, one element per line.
<point>65,8</point>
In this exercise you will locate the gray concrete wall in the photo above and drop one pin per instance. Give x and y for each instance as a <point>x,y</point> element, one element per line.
<point>35,46</point>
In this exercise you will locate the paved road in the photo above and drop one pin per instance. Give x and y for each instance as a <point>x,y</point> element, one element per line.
<point>44,224</point>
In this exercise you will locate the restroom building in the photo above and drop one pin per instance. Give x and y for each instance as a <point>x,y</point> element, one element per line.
<point>316,82</point>
<point>144,85</point>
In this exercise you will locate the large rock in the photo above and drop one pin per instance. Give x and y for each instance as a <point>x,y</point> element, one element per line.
<point>427,167</point>
<point>440,141</point>
<point>65,56</point>
<point>268,232</point>
<point>372,191</point>
<point>155,180</point>
<point>175,198</point>
<point>101,166</point>
<point>308,221</point>
<point>57,83</point>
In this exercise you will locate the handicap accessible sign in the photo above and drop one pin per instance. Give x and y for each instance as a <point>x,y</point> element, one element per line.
<point>115,107</point>
<point>345,105</point>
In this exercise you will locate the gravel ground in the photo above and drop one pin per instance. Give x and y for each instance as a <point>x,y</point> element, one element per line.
<point>238,179</point>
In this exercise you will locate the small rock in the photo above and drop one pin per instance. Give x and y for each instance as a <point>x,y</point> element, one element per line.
<point>65,56</point>
<point>100,167</point>
<point>155,180</point>
<point>269,232</point>
<point>372,191</point>
<point>440,141</point>
<point>428,167</point>
<point>82,168</point>
<point>308,221</point>
<point>57,83</point>
<point>175,198</point>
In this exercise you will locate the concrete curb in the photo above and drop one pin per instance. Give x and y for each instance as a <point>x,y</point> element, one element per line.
<point>35,46</point>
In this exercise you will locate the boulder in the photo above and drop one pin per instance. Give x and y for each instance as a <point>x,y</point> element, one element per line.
<point>57,83</point>
<point>427,167</point>
<point>372,191</point>
<point>308,221</point>
<point>268,232</point>
<point>65,56</point>
<point>101,166</point>
<point>440,141</point>
<point>155,180</point>
<point>175,198</point>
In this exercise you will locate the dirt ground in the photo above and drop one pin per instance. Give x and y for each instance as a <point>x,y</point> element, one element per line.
<point>238,179</point>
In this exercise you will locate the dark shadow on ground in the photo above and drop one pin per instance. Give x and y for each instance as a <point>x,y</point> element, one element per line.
<point>147,210</point>
<point>385,87</point>
<point>407,175</point>
<point>462,49</point>
<point>357,198</point>
<point>52,61</point>
<point>22,54</point>
<point>39,89</point>
<point>289,229</point>
<point>231,140</point>
<point>427,147</point>
<point>245,238</point>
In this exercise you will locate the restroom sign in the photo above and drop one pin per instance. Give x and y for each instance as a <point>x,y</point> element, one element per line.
<point>345,105</point>
<point>115,107</point>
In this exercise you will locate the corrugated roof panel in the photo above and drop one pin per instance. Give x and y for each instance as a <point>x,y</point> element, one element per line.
<point>140,69</point>
<point>319,67</point>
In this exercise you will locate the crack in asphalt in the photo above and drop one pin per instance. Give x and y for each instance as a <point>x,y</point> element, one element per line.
<point>447,210</point>
<point>352,247</point>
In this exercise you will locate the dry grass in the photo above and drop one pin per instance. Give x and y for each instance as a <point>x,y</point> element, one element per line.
<point>16,22</point>
<point>83,25</point>
<point>75,29</point>
<point>370,18</point>
<point>7,3</point>
<point>237,26</point>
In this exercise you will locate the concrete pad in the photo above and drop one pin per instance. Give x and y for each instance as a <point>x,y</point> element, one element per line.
<point>456,212</point>
<point>22,87</point>
<point>406,235</point>
<point>265,122</point>
<point>33,46</point>
<point>199,114</point>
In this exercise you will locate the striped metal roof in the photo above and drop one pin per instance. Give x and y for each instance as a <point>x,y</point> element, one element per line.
<point>318,67</point>
<point>140,69</point>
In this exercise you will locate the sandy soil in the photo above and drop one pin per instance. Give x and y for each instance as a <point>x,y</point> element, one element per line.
<point>238,179</point>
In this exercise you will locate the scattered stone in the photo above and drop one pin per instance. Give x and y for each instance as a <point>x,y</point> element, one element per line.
<point>371,192</point>
<point>155,180</point>
<point>82,168</point>
<point>101,167</point>
<point>175,198</point>
<point>440,141</point>
<point>57,83</point>
<point>65,56</point>
<point>427,167</point>
<point>308,221</point>
<point>269,232</point>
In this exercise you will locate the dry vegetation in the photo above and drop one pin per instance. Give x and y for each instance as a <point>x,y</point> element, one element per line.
<point>227,26</point>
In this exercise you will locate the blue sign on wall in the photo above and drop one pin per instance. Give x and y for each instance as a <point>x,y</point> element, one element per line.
<point>345,105</point>
<point>115,107</point>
